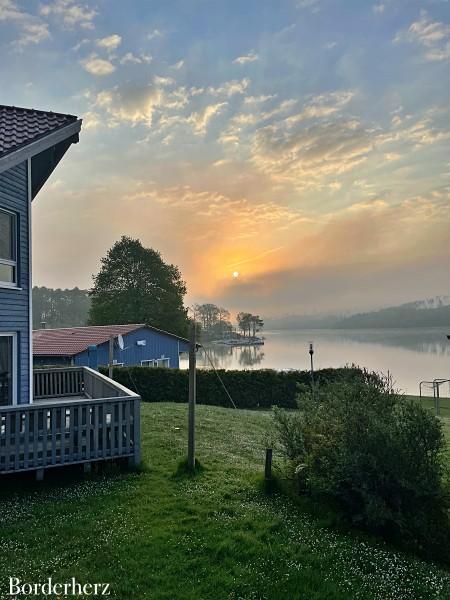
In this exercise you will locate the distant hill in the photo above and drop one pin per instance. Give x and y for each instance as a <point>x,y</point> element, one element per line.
<point>60,308</point>
<point>431,312</point>
<point>407,315</point>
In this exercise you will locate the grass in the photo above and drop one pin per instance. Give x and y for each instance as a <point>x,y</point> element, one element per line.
<point>164,533</point>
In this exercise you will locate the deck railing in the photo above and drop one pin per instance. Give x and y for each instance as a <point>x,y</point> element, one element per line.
<point>55,431</point>
<point>54,383</point>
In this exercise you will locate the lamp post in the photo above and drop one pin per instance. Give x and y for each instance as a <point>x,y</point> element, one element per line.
<point>311,354</point>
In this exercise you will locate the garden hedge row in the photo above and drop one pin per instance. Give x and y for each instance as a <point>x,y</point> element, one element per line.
<point>249,389</point>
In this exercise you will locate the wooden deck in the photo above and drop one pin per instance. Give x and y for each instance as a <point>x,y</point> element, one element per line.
<point>78,416</point>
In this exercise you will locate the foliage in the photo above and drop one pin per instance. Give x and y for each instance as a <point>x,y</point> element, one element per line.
<point>249,389</point>
<point>214,320</point>
<point>249,323</point>
<point>377,454</point>
<point>135,285</point>
<point>161,534</point>
<point>60,308</point>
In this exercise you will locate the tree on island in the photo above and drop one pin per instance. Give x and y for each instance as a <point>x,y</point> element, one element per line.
<point>214,320</point>
<point>249,323</point>
<point>135,285</point>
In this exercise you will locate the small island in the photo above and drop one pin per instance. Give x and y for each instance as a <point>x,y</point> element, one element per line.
<point>215,326</point>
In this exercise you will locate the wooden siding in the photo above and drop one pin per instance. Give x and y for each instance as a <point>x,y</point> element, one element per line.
<point>157,345</point>
<point>14,304</point>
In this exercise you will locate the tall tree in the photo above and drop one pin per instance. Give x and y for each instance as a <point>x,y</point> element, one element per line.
<point>135,285</point>
<point>244,322</point>
<point>257,324</point>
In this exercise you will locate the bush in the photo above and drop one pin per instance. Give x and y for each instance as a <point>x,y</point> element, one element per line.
<point>249,389</point>
<point>378,455</point>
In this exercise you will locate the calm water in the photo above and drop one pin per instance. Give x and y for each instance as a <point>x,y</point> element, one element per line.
<point>410,355</point>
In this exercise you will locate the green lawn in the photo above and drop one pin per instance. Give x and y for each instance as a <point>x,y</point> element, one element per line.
<point>160,534</point>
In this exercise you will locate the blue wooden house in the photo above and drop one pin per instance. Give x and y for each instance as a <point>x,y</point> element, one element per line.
<point>142,345</point>
<point>60,416</point>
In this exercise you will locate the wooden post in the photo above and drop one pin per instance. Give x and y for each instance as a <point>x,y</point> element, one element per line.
<point>192,396</point>
<point>268,465</point>
<point>111,357</point>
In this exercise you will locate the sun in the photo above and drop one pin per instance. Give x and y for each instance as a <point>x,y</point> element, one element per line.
<point>235,274</point>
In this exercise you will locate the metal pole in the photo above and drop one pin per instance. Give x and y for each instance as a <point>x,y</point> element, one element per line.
<point>311,354</point>
<point>192,396</point>
<point>111,357</point>
<point>438,400</point>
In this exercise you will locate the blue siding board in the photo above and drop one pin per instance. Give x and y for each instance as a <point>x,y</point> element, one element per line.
<point>14,304</point>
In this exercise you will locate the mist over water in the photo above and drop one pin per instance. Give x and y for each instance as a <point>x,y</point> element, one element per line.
<point>410,355</point>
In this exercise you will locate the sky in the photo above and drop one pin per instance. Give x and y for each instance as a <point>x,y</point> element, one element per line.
<point>290,156</point>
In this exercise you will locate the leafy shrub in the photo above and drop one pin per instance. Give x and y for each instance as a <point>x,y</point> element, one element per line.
<point>249,389</point>
<point>375,453</point>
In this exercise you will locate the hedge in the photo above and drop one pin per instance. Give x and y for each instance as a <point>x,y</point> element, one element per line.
<point>249,389</point>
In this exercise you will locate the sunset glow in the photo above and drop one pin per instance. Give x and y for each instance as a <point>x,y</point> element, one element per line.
<point>317,164</point>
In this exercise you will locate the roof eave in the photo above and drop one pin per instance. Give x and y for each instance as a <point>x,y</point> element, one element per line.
<point>29,150</point>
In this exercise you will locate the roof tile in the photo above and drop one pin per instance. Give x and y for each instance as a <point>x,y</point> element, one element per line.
<point>21,126</point>
<point>69,341</point>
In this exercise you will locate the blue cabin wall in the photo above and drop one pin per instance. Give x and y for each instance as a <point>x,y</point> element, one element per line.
<point>15,303</point>
<point>157,345</point>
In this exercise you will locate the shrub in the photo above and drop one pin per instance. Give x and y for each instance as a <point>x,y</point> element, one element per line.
<point>249,389</point>
<point>375,453</point>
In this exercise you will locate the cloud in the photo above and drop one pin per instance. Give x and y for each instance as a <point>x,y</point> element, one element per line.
<point>434,36</point>
<point>110,42</point>
<point>323,105</point>
<point>378,8</point>
<point>32,30</point>
<point>156,33</point>
<point>305,155</point>
<point>163,81</point>
<point>98,66</point>
<point>130,58</point>
<point>200,120</point>
<point>312,5</point>
<point>132,104</point>
<point>70,13</point>
<point>230,88</point>
<point>178,65</point>
<point>258,99</point>
<point>247,58</point>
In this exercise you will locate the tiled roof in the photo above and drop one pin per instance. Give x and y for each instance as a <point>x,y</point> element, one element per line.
<point>73,340</point>
<point>21,126</point>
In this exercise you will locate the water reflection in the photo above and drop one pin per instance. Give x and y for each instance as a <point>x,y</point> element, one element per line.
<point>410,355</point>
<point>229,357</point>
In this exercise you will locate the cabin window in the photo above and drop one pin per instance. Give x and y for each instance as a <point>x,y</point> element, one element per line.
<point>8,248</point>
<point>163,363</point>
<point>8,369</point>
<point>148,363</point>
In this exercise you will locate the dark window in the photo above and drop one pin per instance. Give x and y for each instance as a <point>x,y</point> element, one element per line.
<point>8,248</point>
<point>6,370</point>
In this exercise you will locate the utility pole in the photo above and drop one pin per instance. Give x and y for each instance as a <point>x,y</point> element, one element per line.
<point>111,356</point>
<point>192,395</point>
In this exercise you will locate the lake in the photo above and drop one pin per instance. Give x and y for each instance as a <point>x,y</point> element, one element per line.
<point>410,355</point>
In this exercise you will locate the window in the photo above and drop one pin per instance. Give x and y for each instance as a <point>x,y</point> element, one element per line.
<point>163,363</point>
<point>8,369</point>
<point>8,248</point>
<point>148,363</point>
